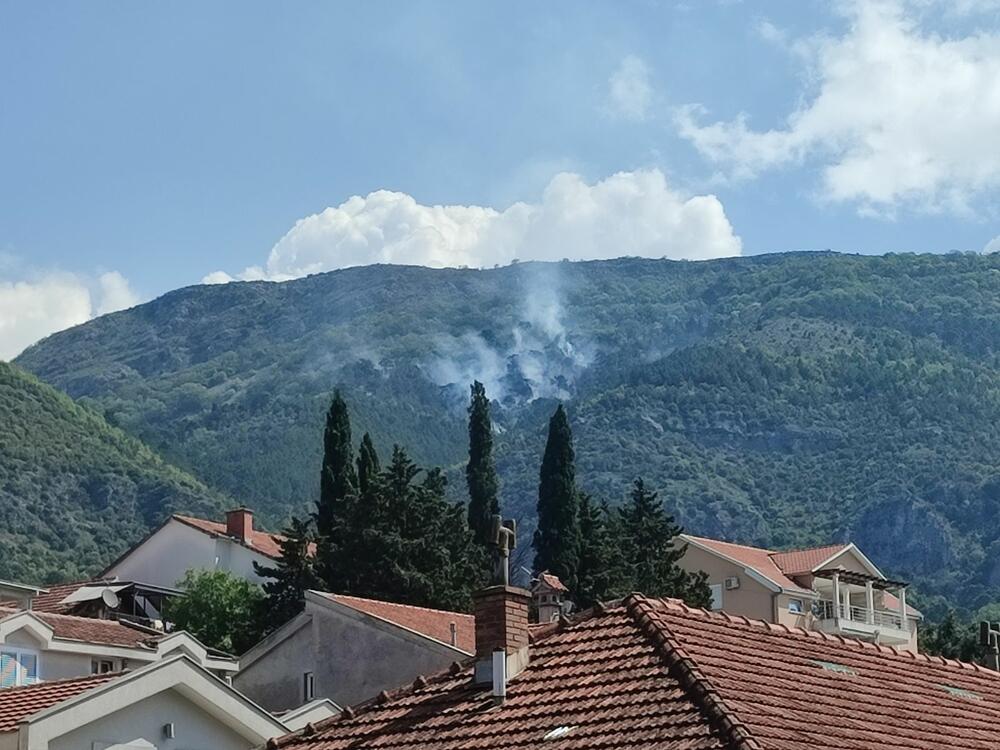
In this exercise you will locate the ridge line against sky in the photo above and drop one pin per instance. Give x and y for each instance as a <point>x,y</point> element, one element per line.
<point>418,134</point>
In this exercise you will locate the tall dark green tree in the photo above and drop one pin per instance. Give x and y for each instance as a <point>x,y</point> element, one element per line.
<point>601,574</point>
<point>405,542</point>
<point>480,472</point>
<point>292,575</point>
<point>368,464</point>
<point>338,481</point>
<point>649,539</point>
<point>557,540</point>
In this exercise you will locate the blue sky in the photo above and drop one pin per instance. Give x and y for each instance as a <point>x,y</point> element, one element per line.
<point>149,146</point>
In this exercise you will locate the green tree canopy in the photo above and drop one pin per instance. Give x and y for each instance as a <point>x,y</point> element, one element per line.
<point>557,539</point>
<point>480,472</point>
<point>338,480</point>
<point>649,539</point>
<point>402,541</point>
<point>601,574</point>
<point>221,610</point>
<point>368,464</point>
<point>292,575</point>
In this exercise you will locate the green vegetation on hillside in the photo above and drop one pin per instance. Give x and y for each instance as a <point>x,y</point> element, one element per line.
<point>75,492</point>
<point>777,400</point>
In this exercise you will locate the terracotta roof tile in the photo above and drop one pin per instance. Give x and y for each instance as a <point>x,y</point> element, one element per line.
<point>656,674</point>
<point>433,623</point>
<point>804,560</point>
<point>795,688</point>
<point>52,601</point>
<point>758,559</point>
<point>265,542</point>
<point>552,581</point>
<point>92,630</point>
<point>18,703</point>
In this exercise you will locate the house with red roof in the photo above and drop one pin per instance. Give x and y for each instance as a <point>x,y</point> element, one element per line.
<point>168,704</point>
<point>834,588</point>
<point>346,649</point>
<point>182,543</point>
<point>42,646</point>
<point>645,674</point>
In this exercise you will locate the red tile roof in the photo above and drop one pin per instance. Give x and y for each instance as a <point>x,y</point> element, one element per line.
<point>264,542</point>
<point>805,560</point>
<point>752,557</point>
<point>18,703</point>
<point>92,630</point>
<point>551,581</point>
<point>652,673</point>
<point>52,601</point>
<point>433,623</point>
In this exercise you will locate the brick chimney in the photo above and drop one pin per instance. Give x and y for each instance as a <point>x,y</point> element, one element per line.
<point>239,524</point>
<point>501,625</point>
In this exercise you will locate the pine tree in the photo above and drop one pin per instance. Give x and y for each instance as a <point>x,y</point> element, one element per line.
<point>557,540</point>
<point>651,554</point>
<point>600,575</point>
<point>404,542</point>
<point>480,473</point>
<point>338,481</point>
<point>368,464</point>
<point>291,577</point>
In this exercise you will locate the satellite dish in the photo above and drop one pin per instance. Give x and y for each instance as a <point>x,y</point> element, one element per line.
<point>110,599</point>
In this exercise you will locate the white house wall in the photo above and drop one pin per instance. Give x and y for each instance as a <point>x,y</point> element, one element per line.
<point>194,729</point>
<point>52,665</point>
<point>168,554</point>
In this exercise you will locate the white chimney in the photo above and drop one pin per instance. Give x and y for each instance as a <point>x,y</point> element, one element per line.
<point>499,676</point>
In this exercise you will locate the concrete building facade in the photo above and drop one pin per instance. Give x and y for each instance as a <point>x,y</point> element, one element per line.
<point>347,649</point>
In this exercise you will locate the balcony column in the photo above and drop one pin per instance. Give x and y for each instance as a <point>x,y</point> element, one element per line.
<point>870,602</point>
<point>836,597</point>
<point>901,595</point>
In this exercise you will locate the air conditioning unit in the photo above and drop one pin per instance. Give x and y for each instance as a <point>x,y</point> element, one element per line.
<point>733,582</point>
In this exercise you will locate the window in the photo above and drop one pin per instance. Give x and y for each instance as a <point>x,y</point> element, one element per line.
<point>18,666</point>
<point>716,595</point>
<point>795,606</point>
<point>101,666</point>
<point>308,687</point>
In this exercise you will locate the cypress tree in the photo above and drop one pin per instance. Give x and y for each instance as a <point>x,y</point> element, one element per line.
<point>648,538</point>
<point>368,464</point>
<point>557,540</point>
<point>480,473</point>
<point>292,575</point>
<point>338,482</point>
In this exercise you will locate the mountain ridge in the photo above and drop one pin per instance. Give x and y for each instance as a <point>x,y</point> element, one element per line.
<point>75,491</point>
<point>784,400</point>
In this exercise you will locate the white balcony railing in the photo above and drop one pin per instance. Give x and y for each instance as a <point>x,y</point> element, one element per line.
<point>825,609</point>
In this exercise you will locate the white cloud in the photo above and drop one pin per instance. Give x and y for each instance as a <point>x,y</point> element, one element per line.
<point>629,213</point>
<point>898,117</point>
<point>770,33</point>
<point>993,246</point>
<point>31,309</point>
<point>629,91</point>
<point>115,293</point>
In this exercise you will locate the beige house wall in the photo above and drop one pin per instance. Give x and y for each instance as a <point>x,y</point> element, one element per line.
<point>752,599</point>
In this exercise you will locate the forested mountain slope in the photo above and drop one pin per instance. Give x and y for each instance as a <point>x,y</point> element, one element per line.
<point>781,400</point>
<point>74,491</point>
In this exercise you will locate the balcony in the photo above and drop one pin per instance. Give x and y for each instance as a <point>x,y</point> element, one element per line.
<point>839,611</point>
<point>833,617</point>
